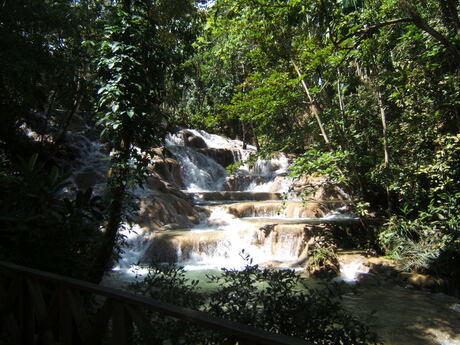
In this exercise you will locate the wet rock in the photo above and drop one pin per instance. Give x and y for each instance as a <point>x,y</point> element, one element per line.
<point>158,185</point>
<point>368,279</point>
<point>224,157</point>
<point>267,229</point>
<point>242,182</point>
<point>319,254</point>
<point>421,281</point>
<point>163,211</point>
<point>196,142</point>
<point>169,170</point>
<point>382,266</point>
<point>318,188</point>
<point>226,195</point>
<point>192,140</point>
<point>181,246</point>
<point>271,209</point>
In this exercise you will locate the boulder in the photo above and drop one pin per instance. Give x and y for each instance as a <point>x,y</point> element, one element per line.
<point>196,142</point>
<point>191,140</point>
<point>421,281</point>
<point>224,157</point>
<point>162,211</point>
<point>169,170</point>
<point>318,188</point>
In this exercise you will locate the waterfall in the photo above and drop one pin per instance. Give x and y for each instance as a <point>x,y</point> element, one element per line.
<point>239,205</point>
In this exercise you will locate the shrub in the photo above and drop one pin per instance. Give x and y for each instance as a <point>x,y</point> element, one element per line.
<point>274,300</point>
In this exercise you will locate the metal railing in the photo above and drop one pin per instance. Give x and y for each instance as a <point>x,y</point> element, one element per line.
<point>38,307</point>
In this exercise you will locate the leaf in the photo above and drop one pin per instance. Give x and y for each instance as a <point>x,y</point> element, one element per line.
<point>54,175</point>
<point>32,162</point>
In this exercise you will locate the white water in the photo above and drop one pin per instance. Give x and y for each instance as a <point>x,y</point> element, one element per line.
<point>350,271</point>
<point>201,173</point>
<point>238,237</point>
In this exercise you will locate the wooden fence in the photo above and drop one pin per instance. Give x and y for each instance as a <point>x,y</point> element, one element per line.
<point>43,308</point>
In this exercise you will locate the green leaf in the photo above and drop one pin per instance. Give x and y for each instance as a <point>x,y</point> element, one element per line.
<point>32,162</point>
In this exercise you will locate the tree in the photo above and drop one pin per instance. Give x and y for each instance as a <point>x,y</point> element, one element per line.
<point>135,64</point>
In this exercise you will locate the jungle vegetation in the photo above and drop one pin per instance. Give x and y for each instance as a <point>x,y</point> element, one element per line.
<point>364,92</point>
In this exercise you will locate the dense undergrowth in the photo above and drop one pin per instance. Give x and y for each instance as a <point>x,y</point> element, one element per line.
<point>273,300</point>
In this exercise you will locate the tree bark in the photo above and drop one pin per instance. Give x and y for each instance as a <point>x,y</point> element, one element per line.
<point>383,119</point>
<point>386,150</point>
<point>341,103</point>
<point>423,25</point>
<point>117,181</point>
<point>450,12</point>
<point>313,106</point>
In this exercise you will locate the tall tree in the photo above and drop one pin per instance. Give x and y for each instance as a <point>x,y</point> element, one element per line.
<point>136,62</point>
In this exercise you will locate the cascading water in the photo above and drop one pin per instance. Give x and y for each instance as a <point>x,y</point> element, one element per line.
<point>234,215</point>
<point>240,214</point>
<point>227,235</point>
<point>200,173</point>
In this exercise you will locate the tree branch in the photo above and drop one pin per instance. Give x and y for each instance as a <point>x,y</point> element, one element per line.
<point>423,25</point>
<point>370,29</point>
<point>452,8</point>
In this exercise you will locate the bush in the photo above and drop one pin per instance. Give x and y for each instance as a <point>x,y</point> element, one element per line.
<point>270,299</point>
<point>42,229</point>
<point>432,237</point>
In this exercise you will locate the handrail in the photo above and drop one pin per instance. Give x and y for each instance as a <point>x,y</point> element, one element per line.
<point>233,329</point>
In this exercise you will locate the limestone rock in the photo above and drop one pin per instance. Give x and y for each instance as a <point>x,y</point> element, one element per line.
<point>268,209</point>
<point>318,188</point>
<point>224,157</point>
<point>169,170</point>
<point>192,140</point>
<point>381,266</point>
<point>163,211</point>
<point>422,281</point>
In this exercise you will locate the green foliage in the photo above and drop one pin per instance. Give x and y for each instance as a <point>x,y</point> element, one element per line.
<point>324,260</point>
<point>383,76</point>
<point>168,283</point>
<point>274,300</point>
<point>421,242</point>
<point>42,228</point>
<point>317,163</point>
<point>424,238</point>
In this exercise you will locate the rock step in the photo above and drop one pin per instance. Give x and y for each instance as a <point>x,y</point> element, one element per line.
<point>239,196</point>
<point>272,204</point>
<point>285,209</point>
<point>312,221</point>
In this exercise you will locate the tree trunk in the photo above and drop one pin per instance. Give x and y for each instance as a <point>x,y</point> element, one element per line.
<point>117,194</point>
<point>449,9</point>
<point>383,119</point>
<point>341,103</point>
<point>254,134</point>
<point>423,25</point>
<point>386,150</point>
<point>313,106</point>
